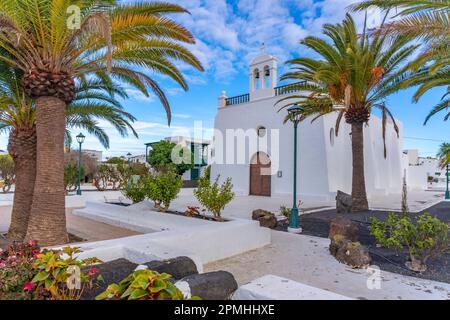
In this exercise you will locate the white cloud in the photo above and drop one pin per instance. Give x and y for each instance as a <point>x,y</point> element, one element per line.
<point>181,116</point>
<point>139,96</point>
<point>229,36</point>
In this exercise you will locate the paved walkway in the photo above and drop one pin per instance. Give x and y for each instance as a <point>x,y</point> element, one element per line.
<point>242,206</point>
<point>307,260</point>
<point>87,229</point>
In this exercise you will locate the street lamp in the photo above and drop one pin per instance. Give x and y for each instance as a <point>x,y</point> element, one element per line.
<point>295,114</point>
<point>80,139</point>
<point>447,192</point>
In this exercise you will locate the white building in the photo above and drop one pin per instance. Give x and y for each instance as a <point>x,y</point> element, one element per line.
<point>252,123</point>
<point>95,154</point>
<point>138,159</point>
<point>200,149</point>
<point>423,172</point>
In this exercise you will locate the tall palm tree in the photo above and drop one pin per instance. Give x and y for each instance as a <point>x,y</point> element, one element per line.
<point>444,155</point>
<point>17,116</point>
<point>443,106</point>
<point>53,49</point>
<point>427,21</point>
<point>353,76</point>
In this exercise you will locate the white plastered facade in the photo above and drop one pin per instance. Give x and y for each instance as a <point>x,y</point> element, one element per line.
<point>324,159</point>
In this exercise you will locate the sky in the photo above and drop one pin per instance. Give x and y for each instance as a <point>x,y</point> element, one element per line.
<point>229,34</point>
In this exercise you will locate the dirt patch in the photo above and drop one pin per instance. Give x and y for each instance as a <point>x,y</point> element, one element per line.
<point>317,224</point>
<point>75,239</point>
<point>195,216</point>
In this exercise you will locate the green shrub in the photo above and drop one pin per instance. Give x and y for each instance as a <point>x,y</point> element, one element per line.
<point>143,285</point>
<point>163,188</point>
<point>121,174</point>
<point>160,157</point>
<point>116,160</point>
<point>103,175</point>
<point>71,176</point>
<point>285,211</point>
<point>135,191</point>
<point>207,173</point>
<point>425,239</point>
<point>139,169</point>
<point>214,197</point>
<point>7,171</point>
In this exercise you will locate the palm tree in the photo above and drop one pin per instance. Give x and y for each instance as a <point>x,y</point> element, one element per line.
<point>353,76</point>
<point>17,116</point>
<point>444,106</point>
<point>53,50</point>
<point>427,21</point>
<point>444,155</point>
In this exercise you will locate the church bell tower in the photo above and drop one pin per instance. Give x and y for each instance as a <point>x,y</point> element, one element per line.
<point>263,76</point>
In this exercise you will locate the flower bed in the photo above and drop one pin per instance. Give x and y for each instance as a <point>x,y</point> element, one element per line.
<point>195,212</point>
<point>29,273</point>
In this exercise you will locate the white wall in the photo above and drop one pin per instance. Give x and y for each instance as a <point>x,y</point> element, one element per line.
<point>322,168</point>
<point>417,178</point>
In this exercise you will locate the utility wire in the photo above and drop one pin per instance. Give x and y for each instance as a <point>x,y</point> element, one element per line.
<point>425,139</point>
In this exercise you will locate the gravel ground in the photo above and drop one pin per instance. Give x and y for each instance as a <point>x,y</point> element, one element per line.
<point>317,224</point>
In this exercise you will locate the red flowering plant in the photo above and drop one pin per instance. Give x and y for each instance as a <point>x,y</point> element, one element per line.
<point>192,211</point>
<point>63,275</point>
<point>16,272</point>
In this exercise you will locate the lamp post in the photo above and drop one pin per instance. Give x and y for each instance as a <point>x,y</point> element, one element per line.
<point>295,113</point>
<point>447,192</point>
<point>80,139</point>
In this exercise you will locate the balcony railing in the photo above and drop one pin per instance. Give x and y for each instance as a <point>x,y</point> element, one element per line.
<point>238,99</point>
<point>281,90</point>
<point>289,88</point>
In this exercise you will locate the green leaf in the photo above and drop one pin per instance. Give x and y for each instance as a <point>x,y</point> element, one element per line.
<point>103,296</point>
<point>137,294</point>
<point>41,276</point>
<point>48,283</point>
<point>158,285</point>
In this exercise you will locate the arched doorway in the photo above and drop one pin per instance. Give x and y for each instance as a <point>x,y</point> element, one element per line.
<point>260,175</point>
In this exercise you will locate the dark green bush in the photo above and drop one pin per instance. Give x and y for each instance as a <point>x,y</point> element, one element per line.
<point>425,239</point>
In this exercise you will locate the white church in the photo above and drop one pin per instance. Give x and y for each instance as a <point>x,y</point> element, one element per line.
<point>255,148</point>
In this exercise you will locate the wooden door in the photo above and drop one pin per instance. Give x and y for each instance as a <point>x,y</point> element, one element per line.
<point>260,178</point>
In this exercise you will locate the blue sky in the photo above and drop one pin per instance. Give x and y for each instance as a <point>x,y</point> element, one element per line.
<point>229,35</point>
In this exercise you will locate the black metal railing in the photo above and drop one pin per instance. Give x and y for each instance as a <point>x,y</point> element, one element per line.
<point>288,88</point>
<point>281,90</point>
<point>238,99</point>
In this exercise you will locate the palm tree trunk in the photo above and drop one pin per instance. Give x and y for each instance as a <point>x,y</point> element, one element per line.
<point>22,148</point>
<point>47,222</point>
<point>359,195</point>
